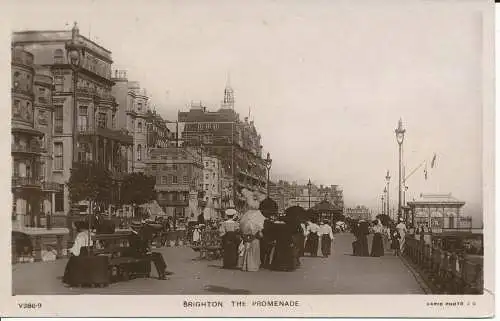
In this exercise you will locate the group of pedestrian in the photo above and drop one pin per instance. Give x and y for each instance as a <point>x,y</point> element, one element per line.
<point>318,238</point>
<point>278,243</point>
<point>388,236</point>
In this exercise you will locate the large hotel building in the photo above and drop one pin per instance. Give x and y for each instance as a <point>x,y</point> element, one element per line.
<point>236,143</point>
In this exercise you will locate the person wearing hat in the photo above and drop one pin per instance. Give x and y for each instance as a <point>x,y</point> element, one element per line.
<point>326,237</point>
<point>140,247</point>
<point>268,208</point>
<point>230,240</point>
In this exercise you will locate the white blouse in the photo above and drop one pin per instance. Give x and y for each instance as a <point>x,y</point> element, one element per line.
<point>81,240</point>
<point>325,229</point>
<point>312,228</point>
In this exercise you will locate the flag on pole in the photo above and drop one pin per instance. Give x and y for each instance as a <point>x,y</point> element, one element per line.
<point>433,162</point>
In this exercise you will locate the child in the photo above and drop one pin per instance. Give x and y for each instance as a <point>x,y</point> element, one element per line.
<point>395,242</point>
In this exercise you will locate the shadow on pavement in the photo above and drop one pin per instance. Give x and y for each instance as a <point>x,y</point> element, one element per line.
<point>224,290</point>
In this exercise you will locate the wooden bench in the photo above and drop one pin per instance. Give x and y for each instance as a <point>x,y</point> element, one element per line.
<point>121,264</point>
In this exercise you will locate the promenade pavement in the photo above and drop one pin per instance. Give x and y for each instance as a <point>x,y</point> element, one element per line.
<point>341,273</point>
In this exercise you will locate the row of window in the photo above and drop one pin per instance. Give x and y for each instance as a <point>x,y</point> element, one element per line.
<point>167,167</point>
<point>207,176</point>
<point>171,179</point>
<point>174,196</point>
<point>83,120</point>
<point>207,186</point>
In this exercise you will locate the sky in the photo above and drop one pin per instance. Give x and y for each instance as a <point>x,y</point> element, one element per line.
<point>325,82</point>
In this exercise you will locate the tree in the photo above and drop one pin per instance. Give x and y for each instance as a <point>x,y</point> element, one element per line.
<point>90,182</point>
<point>138,189</point>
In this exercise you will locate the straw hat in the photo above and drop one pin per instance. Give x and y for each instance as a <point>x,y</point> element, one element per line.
<point>230,212</point>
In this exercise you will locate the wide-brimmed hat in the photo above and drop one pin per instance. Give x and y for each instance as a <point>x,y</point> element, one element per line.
<point>268,207</point>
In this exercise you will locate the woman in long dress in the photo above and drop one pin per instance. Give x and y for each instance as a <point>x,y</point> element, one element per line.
<point>326,235</point>
<point>268,208</point>
<point>249,259</point>
<point>362,232</point>
<point>377,243</point>
<point>79,248</point>
<point>284,258</point>
<point>312,239</point>
<point>230,240</point>
<point>401,227</point>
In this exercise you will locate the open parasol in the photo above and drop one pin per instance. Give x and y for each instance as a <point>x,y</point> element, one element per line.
<point>252,222</point>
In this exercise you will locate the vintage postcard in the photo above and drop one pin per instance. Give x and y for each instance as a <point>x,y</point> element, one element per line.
<point>261,159</point>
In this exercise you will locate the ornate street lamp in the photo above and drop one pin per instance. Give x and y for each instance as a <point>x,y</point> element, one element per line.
<point>73,50</point>
<point>400,136</point>
<point>383,198</point>
<point>388,180</point>
<point>268,162</point>
<point>309,184</point>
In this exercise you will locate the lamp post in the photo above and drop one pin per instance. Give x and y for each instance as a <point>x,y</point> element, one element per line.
<point>268,162</point>
<point>383,198</point>
<point>400,136</point>
<point>388,180</point>
<point>73,50</point>
<point>309,184</point>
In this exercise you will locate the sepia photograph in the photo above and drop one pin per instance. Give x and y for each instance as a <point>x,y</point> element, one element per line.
<point>264,158</point>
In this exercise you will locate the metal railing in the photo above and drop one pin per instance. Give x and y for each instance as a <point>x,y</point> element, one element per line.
<point>26,148</point>
<point>23,91</point>
<point>445,272</point>
<point>115,134</point>
<point>26,181</point>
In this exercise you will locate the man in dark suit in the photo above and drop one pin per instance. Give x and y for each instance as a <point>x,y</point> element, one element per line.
<point>139,242</point>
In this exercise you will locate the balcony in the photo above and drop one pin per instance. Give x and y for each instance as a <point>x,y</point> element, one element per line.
<point>119,135</point>
<point>28,149</point>
<point>43,100</point>
<point>91,92</point>
<point>26,182</point>
<point>23,91</point>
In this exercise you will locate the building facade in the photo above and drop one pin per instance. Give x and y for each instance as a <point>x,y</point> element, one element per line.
<point>236,143</point>
<point>212,185</point>
<point>148,128</point>
<point>84,118</point>
<point>179,179</point>
<point>299,195</point>
<point>358,213</point>
<point>33,191</point>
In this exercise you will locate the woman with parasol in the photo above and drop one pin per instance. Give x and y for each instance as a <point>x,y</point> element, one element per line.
<point>251,226</point>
